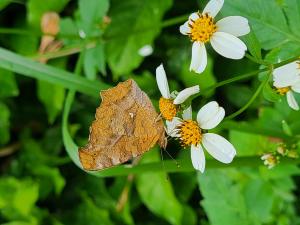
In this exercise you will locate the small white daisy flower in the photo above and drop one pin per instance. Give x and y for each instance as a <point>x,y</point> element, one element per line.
<point>168,104</point>
<point>287,80</point>
<point>193,133</point>
<point>201,28</point>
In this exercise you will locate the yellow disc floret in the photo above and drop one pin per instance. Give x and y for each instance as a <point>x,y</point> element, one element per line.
<point>202,28</point>
<point>283,90</point>
<point>190,133</point>
<point>167,108</point>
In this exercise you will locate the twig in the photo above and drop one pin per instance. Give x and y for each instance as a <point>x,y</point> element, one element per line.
<point>125,192</point>
<point>8,150</point>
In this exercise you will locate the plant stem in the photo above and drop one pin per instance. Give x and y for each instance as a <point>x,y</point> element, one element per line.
<point>243,76</point>
<point>185,166</point>
<point>254,96</point>
<point>174,21</point>
<point>258,61</point>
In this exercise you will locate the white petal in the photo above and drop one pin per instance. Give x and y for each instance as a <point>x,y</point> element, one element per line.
<point>162,82</point>
<point>286,75</point>
<point>210,115</point>
<point>218,147</point>
<point>228,45</point>
<point>199,57</point>
<point>185,94</point>
<point>171,126</point>
<point>296,86</point>
<point>194,16</point>
<point>146,50</point>
<point>187,113</point>
<point>235,25</point>
<point>184,28</point>
<point>198,158</point>
<point>292,101</point>
<point>213,7</point>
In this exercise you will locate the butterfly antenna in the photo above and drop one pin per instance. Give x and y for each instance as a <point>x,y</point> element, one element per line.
<point>158,118</point>
<point>163,163</point>
<point>176,162</point>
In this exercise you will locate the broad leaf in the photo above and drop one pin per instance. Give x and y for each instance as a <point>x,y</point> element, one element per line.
<point>91,15</point>
<point>267,20</point>
<point>157,194</point>
<point>8,83</point>
<point>134,24</point>
<point>37,8</point>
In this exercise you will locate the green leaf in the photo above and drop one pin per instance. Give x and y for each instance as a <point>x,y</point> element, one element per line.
<point>259,198</point>
<point>19,64</point>
<point>94,61</point>
<point>36,9</point>
<point>50,178</point>
<point>250,144</point>
<point>4,124</point>
<point>27,192</point>
<point>286,128</point>
<point>20,199</point>
<point>292,10</point>
<point>91,14</point>
<point>130,30</point>
<point>52,96</point>
<point>222,202</point>
<point>270,94</point>
<point>71,147</point>
<point>67,28</point>
<point>9,87</point>
<point>157,193</point>
<point>4,3</point>
<point>88,212</point>
<point>244,92</point>
<point>267,20</point>
<point>283,52</point>
<point>205,80</point>
<point>253,45</point>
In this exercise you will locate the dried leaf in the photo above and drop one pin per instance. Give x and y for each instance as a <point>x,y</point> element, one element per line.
<point>126,126</point>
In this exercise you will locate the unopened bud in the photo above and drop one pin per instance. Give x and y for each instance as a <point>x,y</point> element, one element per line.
<point>50,23</point>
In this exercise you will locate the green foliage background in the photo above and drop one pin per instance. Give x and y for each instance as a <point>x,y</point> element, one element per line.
<point>49,109</point>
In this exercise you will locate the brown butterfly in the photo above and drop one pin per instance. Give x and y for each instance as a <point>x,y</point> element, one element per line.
<point>126,126</point>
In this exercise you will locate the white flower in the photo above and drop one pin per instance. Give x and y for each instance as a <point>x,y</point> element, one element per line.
<point>287,80</point>
<point>145,50</point>
<point>167,104</point>
<point>222,35</point>
<point>191,133</point>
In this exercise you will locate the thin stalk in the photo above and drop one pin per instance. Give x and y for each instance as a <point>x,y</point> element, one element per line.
<point>258,61</point>
<point>186,166</point>
<point>254,96</point>
<point>243,76</point>
<point>65,51</point>
<point>174,21</point>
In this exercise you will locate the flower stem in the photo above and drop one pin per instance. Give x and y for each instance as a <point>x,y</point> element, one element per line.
<point>243,76</point>
<point>256,93</point>
<point>174,21</point>
<point>258,61</point>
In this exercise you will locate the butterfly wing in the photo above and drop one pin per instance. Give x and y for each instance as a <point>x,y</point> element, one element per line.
<point>126,126</point>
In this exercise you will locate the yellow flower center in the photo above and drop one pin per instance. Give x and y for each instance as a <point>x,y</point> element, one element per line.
<point>190,133</point>
<point>167,108</point>
<point>203,28</point>
<point>283,90</point>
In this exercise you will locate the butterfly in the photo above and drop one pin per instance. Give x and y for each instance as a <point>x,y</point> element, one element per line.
<point>126,125</point>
